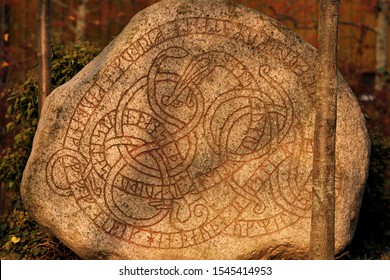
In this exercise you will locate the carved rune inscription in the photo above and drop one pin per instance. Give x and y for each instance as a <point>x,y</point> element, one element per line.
<point>178,141</point>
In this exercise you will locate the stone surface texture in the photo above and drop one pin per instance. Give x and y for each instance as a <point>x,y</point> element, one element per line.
<point>191,137</point>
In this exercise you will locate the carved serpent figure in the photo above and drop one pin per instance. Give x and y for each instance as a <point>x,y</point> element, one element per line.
<point>158,148</point>
<point>268,124</point>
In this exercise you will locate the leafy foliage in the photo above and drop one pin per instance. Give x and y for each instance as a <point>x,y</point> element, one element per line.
<point>19,234</point>
<point>24,239</point>
<point>67,62</point>
<point>23,115</point>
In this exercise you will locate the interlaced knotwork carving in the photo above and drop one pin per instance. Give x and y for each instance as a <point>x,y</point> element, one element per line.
<point>200,143</point>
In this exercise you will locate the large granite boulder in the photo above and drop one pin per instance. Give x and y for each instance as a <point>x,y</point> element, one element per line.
<point>191,137</point>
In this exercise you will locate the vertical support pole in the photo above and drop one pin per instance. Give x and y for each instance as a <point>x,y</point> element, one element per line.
<point>322,238</point>
<point>44,52</point>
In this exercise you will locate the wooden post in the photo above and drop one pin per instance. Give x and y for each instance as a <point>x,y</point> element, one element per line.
<point>44,52</point>
<point>381,45</point>
<point>322,239</point>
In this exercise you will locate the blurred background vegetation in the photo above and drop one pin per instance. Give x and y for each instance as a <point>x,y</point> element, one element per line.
<point>81,28</point>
